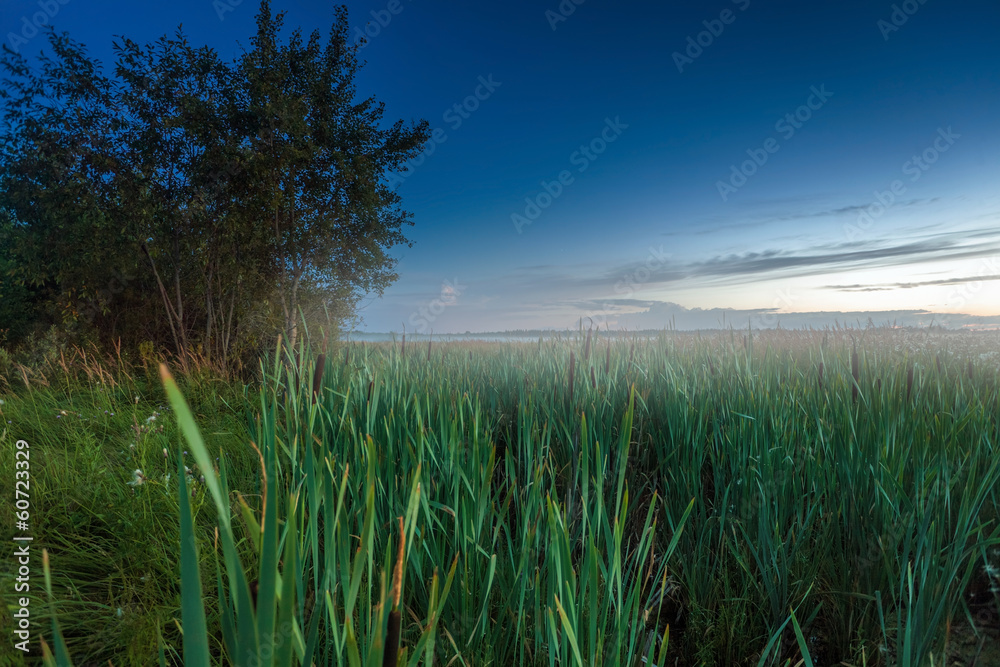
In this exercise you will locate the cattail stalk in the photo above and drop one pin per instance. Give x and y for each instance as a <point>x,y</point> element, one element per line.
<point>391,655</point>
<point>855,372</point>
<point>295,369</point>
<point>607,359</point>
<point>909,381</point>
<point>318,376</point>
<point>819,375</point>
<point>593,378</point>
<point>586,347</point>
<point>572,372</point>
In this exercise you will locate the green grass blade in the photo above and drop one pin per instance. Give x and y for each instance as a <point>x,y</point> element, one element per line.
<point>192,606</point>
<point>61,654</point>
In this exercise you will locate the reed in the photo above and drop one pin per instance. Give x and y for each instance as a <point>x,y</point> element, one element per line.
<point>317,383</point>
<point>391,656</point>
<point>572,373</point>
<point>455,512</point>
<point>855,373</point>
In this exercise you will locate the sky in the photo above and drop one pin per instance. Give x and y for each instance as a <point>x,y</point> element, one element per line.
<point>647,164</point>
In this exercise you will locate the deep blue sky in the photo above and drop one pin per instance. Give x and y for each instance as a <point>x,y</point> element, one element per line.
<point>644,233</point>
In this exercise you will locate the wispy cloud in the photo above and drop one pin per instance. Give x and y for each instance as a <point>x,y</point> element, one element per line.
<point>697,318</point>
<point>893,286</point>
<point>817,260</point>
<point>792,264</point>
<point>802,212</point>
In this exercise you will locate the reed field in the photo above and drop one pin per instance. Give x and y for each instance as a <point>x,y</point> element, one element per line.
<point>717,498</point>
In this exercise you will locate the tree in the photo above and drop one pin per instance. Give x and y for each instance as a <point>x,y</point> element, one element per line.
<point>53,170</point>
<point>211,194</point>
<point>318,161</point>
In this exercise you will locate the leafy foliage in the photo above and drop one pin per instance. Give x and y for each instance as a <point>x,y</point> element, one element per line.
<point>195,203</point>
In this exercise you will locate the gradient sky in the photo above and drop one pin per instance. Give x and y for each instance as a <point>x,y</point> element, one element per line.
<point>645,231</point>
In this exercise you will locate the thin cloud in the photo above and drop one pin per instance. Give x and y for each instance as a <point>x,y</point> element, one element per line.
<point>561,283</point>
<point>925,283</point>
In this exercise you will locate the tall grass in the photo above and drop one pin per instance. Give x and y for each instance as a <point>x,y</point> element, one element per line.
<point>703,500</point>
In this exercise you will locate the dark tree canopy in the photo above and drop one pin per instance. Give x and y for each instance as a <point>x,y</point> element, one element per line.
<point>196,203</point>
